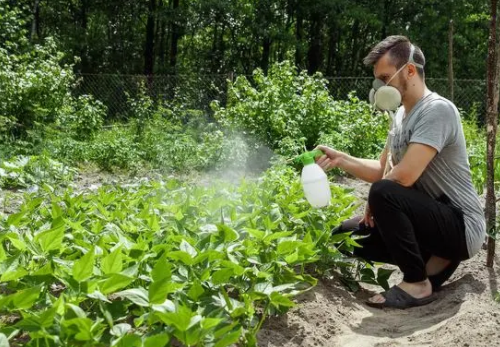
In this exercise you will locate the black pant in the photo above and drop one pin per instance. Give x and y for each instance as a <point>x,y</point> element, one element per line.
<point>410,227</point>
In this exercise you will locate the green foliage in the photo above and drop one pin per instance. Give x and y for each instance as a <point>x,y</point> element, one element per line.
<point>35,87</point>
<point>361,132</point>
<point>13,20</point>
<point>162,262</point>
<point>24,172</point>
<point>82,118</point>
<point>286,111</point>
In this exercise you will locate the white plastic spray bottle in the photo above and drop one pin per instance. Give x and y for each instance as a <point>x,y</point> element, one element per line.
<point>314,180</point>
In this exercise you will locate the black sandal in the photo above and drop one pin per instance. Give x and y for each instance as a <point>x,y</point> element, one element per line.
<point>398,298</point>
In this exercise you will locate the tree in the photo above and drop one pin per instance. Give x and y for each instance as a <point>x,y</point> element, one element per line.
<point>491,130</point>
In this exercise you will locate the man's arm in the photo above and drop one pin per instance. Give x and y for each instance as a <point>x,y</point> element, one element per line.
<point>413,164</point>
<point>368,170</point>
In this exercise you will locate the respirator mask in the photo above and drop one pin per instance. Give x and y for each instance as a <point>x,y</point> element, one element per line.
<point>385,97</point>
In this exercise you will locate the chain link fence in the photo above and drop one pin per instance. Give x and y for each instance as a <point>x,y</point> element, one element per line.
<point>198,91</point>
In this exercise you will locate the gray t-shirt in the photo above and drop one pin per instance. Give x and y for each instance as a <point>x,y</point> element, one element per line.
<point>435,121</point>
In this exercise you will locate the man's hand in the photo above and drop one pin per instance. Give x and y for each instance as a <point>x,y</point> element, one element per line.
<point>331,159</point>
<point>368,218</point>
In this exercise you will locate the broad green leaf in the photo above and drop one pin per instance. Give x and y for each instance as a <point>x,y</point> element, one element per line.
<point>138,296</point>
<point>209,323</point>
<point>161,270</point>
<point>115,282</point>
<point>186,247</point>
<point>83,267</point>
<point>278,300</point>
<point>98,296</point>
<point>184,257</point>
<point>229,339</point>
<point>153,223</point>
<point>15,218</point>
<point>50,239</point>
<point>181,319</point>
<point>16,242</point>
<point>26,298</point>
<point>120,329</point>
<point>130,340</point>
<point>258,234</point>
<point>158,340</point>
<point>4,342</point>
<point>230,235</point>
<point>81,327</point>
<point>222,276</point>
<point>277,235</point>
<point>77,310</point>
<point>158,291</point>
<point>13,275</point>
<point>286,247</point>
<point>3,255</point>
<point>196,290</point>
<point>113,262</point>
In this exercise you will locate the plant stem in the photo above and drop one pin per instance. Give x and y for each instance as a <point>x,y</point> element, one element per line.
<point>264,314</point>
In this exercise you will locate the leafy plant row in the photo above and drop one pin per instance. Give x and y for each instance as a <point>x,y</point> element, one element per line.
<point>161,263</point>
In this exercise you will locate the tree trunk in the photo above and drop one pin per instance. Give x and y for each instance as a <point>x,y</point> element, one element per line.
<point>299,36</point>
<point>332,49</point>
<point>150,35</point>
<point>174,40</point>
<point>266,50</point>
<point>451,79</point>
<point>315,54</point>
<point>491,129</point>
<point>35,24</point>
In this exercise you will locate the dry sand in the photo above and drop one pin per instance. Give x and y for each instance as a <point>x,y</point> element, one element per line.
<point>465,313</point>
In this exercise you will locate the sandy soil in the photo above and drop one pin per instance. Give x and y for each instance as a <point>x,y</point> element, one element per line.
<point>465,313</point>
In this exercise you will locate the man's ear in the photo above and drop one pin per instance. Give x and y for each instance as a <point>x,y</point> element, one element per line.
<point>412,70</point>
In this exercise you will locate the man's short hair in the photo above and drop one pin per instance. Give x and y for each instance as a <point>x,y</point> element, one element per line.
<point>399,48</point>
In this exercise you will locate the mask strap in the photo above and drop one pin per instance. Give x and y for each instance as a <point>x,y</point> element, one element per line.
<point>411,60</point>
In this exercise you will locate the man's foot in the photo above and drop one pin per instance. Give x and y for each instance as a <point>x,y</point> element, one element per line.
<point>417,290</point>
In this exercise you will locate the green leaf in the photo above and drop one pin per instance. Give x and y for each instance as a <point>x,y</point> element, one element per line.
<point>161,270</point>
<point>130,340</point>
<point>209,323</point>
<point>196,290</point>
<point>184,257</point>
<point>50,239</point>
<point>158,340</point>
<point>278,300</point>
<point>3,255</point>
<point>158,291</point>
<point>138,296</point>
<point>4,342</point>
<point>230,234</point>
<point>80,327</point>
<point>186,247</point>
<point>286,247</point>
<point>181,319</point>
<point>258,234</point>
<point>26,298</point>
<point>84,267</point>
<point>16,242</point>
<point>222,276</point>
<point>13,275</point>
<point>115,282</point>
<point>113,262</point>
<point>229,339</point>
<point>120,329</point>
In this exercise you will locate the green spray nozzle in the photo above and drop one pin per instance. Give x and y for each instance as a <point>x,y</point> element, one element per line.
<point>308,157</point>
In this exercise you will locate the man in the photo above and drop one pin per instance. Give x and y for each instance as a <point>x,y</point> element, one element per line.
<point>423,213</point>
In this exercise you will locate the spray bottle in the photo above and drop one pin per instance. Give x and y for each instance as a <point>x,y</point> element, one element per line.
<point>314,180</point>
